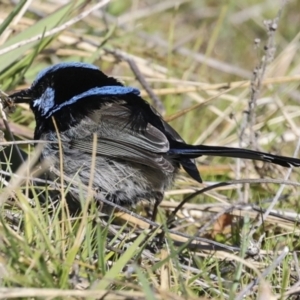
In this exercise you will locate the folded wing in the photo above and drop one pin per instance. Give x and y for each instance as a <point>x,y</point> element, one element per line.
<point>116,139</point>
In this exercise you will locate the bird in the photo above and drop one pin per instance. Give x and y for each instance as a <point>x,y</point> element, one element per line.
<point>137,153</point>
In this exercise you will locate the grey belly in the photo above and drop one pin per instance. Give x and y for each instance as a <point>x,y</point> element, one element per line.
<point>119,181</point>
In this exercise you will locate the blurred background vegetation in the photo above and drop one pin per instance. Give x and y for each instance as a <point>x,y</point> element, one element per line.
<point>198,58</point>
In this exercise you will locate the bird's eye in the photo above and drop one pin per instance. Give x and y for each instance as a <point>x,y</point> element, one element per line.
<point>46,101</point>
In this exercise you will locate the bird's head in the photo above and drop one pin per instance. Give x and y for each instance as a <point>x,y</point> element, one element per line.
<point>67,92</point>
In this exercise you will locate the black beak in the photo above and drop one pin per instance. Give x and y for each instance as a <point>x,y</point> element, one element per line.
<point>23,96</point>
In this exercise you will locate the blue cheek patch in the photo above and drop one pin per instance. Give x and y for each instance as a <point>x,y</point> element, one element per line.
<point>46,102</point>
<point>114,90</point>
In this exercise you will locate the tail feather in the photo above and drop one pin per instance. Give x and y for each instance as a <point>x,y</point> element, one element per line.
<point>191,151</point>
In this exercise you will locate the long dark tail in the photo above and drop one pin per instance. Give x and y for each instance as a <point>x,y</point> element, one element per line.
<point>190,151</point>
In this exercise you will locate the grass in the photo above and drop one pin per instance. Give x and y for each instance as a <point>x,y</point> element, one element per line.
<point>197,58</point>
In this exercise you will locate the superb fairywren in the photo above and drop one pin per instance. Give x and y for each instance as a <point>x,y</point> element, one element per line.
<point>137,153</point>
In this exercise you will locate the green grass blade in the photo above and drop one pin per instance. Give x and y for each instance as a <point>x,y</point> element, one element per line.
<point>44,24</point>
<point>114,272</point>
<point>11,16</point>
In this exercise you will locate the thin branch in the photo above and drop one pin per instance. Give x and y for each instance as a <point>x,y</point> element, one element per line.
<point>56,29</point>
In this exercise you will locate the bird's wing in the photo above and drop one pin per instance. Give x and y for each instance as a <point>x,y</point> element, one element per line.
<point>116,139</point>
<point>188,164</point>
